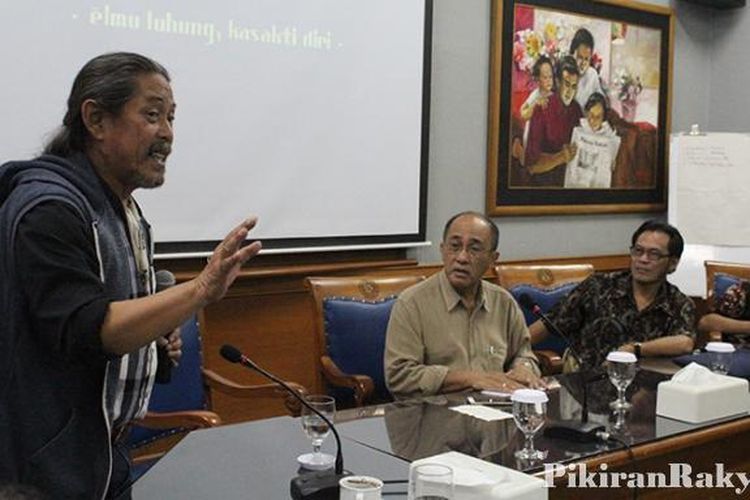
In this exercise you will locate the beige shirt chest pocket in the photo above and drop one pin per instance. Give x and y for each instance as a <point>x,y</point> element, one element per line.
<point>493,357</point>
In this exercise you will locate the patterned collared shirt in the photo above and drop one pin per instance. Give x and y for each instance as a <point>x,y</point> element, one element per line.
<point>601,314</point>
<point>130,378</point>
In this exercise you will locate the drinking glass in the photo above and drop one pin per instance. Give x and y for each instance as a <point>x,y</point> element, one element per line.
<point>431,482</point>
<point>529,412</point>
<point>620,424</point>
<point>621,368</point>
<point>360,488</point>
<point>720,356</point>
<point>317,430</point>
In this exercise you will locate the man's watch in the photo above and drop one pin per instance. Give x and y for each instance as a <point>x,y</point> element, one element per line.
<point>637,349</point>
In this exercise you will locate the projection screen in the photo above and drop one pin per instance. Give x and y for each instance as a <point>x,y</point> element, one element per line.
<point>311,114</point>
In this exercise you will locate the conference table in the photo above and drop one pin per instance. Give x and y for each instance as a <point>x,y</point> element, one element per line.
<point>258,459</point>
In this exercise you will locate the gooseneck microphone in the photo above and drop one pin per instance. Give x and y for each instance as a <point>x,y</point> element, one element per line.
<point>315,485</point>
<point>572,430</point>
<point>528,303</point>
<point>164,280</point>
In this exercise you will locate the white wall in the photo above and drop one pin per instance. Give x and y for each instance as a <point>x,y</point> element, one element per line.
<point>691,86</point>
<point>460,78</point>
<point>729,109</point>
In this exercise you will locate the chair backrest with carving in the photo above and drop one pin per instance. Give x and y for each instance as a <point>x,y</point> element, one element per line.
<point>351,318</point>
<point>546,285</point>
<point>722,275</point>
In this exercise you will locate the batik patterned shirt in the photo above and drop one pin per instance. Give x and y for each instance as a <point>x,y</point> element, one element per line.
<point>733,303</point>
<point>601,315</point>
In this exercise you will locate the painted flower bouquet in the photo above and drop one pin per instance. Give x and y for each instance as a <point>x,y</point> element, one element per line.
<point>529,44</point>
<point>628,88</point>
<point>627,85</point>
<point>552,41</point>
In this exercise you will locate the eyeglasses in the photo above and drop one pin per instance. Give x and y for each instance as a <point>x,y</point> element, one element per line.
<point>637,251</point>
<point>473,249</point>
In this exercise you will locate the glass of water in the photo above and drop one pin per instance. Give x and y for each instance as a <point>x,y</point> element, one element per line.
<point>317,430</point>
<point>529,413</point>
<point>621,368</point>
<point>720,356</point>
<point>431,482</point>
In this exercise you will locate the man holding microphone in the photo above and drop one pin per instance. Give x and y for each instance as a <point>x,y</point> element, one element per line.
<point>78,314</point>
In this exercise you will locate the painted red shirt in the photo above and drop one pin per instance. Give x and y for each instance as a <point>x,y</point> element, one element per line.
<point>550,129</point>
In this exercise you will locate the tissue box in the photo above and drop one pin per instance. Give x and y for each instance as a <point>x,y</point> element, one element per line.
<point>475,479</point>
<point>696,403</point>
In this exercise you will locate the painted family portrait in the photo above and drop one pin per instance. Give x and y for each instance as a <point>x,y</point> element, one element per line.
<point>578,107</point>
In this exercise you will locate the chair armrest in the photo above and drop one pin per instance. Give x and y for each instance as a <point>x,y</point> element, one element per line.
<point>231,388</point>
<point>362,385</point>
<point>180,421</point>
<point>188,419</point>
<point>551,362</point>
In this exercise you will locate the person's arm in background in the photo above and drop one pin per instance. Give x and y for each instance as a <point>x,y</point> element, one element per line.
<point>729,311</point>
<point>680,338</point>
<point>715,322</point>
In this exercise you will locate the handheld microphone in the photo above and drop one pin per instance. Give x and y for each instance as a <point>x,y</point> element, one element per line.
<point>319,485</point>
<point>164,280</point>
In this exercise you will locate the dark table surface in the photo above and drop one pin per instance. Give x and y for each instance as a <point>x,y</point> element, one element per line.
<point>258,459</point>
<point>254,460</point>
<point>415,429</point>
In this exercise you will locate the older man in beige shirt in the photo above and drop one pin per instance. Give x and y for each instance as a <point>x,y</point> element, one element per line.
<point>455,331</point>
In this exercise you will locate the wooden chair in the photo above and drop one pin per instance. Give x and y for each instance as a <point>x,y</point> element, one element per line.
<point>184,404</point>
<point>546,285</point>
<point>719,277</point>
<point>351,318</point>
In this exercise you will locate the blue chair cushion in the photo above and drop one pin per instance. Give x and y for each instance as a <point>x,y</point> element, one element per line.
<point>740,362</point>
<point>355,337</point>
<point>722,282</point>
<point>547,298</point>
<point>184,391</point>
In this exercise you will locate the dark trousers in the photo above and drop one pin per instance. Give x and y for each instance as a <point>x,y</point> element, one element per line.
<point>119,485</point>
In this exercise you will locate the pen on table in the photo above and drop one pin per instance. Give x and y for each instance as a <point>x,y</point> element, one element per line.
<point>489,402</point>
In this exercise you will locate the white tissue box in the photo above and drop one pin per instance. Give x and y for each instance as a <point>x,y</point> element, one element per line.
<point>475,479</point>
<point>717,397</point>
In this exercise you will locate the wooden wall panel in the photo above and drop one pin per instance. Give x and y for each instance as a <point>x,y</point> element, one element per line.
<point>274,330</point>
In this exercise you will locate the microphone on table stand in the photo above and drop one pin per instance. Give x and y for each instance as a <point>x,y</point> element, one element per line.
<point>572,430</point>
<point>321,485</point>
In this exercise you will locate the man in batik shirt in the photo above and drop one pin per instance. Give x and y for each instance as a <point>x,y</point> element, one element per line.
<point>636,310</point>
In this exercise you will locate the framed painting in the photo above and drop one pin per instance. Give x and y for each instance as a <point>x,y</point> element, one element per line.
<point>579,107</point>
